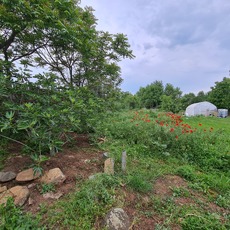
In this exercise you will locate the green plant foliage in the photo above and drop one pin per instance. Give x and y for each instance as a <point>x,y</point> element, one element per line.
<point>167,134</point>
<point>92,199</point>
<point>138,183</point>
<point>45,188</point>
<point>11,217</point>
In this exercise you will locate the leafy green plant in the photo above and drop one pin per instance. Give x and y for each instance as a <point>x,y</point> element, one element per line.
<point>91,200</point>
<point>12,217</point>
<point>45,188</point>
<point>138,183</point>
<point>38,160</point>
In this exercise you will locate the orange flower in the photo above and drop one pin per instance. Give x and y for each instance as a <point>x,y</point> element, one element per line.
<point>200,124</point>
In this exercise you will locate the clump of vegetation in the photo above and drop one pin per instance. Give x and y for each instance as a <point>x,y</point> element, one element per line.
<point>12,217</point>
<point>91,200</point>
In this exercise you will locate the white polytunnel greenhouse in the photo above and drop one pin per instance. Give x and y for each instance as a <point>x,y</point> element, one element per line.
<point>204,108</point>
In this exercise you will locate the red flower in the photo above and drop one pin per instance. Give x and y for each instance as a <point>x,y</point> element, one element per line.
<point>191,131</point>
<point>200,124</point>
<point>172,129</point>
<point>176,137</point>
<point>147,120</point>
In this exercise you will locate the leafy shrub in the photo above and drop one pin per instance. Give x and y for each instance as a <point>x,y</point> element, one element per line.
<point>41,114</point>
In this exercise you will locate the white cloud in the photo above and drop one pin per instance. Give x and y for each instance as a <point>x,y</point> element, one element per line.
<point>182,42</point>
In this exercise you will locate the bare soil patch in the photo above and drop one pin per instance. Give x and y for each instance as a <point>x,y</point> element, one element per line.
<point>77,163</point>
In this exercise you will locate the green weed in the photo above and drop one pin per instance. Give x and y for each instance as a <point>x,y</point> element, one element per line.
<point>12,217</point>
<point>91,200</point>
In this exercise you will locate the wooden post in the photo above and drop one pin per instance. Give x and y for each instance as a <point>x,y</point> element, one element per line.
<point>123,161</point>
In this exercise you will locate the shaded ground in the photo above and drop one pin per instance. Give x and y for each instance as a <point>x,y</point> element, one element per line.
<point>81,161</point>
<point>78,162</point>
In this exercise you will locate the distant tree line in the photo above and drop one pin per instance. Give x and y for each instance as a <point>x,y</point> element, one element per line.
<point>170,98</point>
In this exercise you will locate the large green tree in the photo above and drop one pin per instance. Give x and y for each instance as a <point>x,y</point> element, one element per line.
<point>28,25</point>
<point>220,94</point>
<point>82,61</point>
<point>150,96</point>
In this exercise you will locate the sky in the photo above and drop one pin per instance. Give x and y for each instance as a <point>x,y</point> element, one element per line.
<point>182,42</point>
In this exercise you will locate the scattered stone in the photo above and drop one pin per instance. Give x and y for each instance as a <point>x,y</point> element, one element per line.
<point>105,155</point>
<point>92,177</point>
<point>51,195</point>
<point>7,176</point>
<point>71,156</point>
<point>109,166</point>
<point>31,185</point>
<point>27,175</point>
<point>4,196</point>
<point>87,161</point>
<point>3,189</point>
<point>54,176</point>
<point>21,194</point>
<point>30,201</point>
<point>117,219</point>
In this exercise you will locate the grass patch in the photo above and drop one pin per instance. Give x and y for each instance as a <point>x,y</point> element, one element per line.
<point>12,217</point>
<point>91,201</point>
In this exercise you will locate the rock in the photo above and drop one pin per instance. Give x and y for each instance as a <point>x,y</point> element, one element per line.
<point>7,176</point>
<point>4,196</point>
<point>21,194</point>
<point>91,177</point>
<point>51,195</point>
<point>31,185</point>
<point>27,175</point>
<point>117,219</point>
<point>94,176</point>
<point>105,155</point>
<point>30,201</point>
<point>109,166</point>
<point>3,189</point>
<point>54,176</point>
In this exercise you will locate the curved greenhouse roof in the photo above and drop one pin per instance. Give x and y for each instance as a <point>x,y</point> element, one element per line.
<point>202,108</point>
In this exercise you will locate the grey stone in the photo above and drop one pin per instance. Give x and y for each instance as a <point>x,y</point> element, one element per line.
<point>7,176</point>
<point>92,177</point>
<point>105,155</point>
<point>117,219</point>
<point>30,201</point>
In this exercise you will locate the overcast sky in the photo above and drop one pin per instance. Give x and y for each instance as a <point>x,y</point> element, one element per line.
<point>182,42</point>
